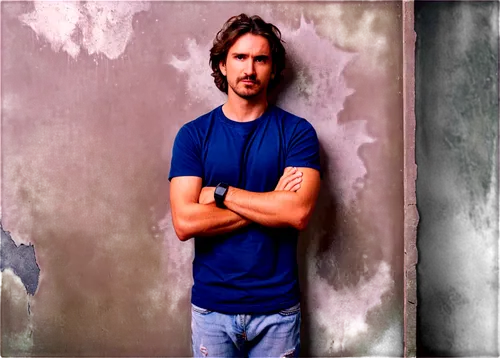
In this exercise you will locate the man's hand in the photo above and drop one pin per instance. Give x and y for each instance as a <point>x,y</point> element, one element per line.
<point>290,180</point>
<point>207,195</point>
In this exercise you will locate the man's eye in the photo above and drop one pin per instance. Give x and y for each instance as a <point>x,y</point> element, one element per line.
<point>240,57</point>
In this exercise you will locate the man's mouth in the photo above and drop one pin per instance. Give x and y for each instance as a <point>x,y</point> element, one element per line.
<point>248,81</point>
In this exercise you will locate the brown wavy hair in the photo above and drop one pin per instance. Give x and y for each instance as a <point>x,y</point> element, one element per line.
<point>231,31</point>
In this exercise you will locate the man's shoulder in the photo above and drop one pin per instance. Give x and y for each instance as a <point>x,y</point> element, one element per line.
<point>286,115</point>
<point>290,119</point>
<point>202,120</point>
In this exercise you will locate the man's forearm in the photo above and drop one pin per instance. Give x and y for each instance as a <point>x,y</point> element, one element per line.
<point>206,220</point>
<point>273,209</point>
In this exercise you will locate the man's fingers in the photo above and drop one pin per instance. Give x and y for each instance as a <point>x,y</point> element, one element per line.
<point>282,182</point>
<point>292,182</point>
<point>289,171</point>
<point>286,181</point>
<point>291,175</point>
<point>280,185</point>
<point>294,187</point>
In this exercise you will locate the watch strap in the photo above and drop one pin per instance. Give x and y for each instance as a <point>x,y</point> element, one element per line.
<point>220,194</point>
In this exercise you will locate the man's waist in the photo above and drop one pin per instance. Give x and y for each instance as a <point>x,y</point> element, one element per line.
<point>242,301</point>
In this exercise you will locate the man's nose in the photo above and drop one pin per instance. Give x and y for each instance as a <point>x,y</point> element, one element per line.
<point>249,67</point>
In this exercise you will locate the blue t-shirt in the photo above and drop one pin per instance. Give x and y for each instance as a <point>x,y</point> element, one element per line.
<point>253,269</point>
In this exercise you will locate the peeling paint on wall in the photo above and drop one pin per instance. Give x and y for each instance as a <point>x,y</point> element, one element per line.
<point>179,256</point>
<point>341,314</point>
<point>100,27</point>
<point>17,327</point>
<point>19,276</point>
<point>353,27</point>
<point>318,94</point>
<point>200,85</point>
<point>21,260</point>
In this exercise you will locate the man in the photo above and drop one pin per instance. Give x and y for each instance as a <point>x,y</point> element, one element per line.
<point>244,181</point>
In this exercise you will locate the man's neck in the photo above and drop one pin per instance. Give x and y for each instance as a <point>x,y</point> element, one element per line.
<point>243,110</point>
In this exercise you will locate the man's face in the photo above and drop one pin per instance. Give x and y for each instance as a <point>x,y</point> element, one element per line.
<point>248,67</point>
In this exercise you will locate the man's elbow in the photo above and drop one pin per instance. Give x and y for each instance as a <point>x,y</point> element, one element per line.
<point>302,219</point>
<point>182,237</point>
<point>182,230</point>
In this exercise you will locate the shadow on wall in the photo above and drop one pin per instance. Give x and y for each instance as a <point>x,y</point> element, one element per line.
<point>326,204</point>
<point>288,76</point>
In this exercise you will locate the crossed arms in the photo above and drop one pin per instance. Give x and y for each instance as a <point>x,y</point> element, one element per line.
<point>194,212</point>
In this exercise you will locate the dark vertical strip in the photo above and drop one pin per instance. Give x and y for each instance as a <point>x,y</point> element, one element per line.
<point>457,122</point>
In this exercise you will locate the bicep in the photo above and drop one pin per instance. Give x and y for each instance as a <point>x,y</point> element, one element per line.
<point>309,187</point>
<point>184,190</point>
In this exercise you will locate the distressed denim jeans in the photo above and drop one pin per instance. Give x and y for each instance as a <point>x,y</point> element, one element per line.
<point>226,335</point>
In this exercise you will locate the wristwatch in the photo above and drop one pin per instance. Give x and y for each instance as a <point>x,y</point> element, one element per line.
<point>220,194</point>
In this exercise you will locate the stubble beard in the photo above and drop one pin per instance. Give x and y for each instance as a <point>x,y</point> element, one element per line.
<point>247,93</point>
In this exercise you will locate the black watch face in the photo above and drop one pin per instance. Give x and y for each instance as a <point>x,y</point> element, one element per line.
<point>219,190</point>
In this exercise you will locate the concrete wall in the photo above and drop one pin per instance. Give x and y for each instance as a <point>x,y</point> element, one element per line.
<point>93,94</point>
<point>457,186</point>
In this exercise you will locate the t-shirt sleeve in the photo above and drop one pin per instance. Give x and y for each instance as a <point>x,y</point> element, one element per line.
<point>303,149</point>
<point>186,155</point>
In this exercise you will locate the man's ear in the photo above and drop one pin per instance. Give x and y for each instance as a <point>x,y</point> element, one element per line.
<point>222,68</point>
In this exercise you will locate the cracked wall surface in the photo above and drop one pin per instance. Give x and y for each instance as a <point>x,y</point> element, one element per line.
<point>90,107</point>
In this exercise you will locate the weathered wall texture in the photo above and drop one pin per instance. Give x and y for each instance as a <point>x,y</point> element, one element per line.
<point>457,184</point>
<point>93,94</point>
<point>410,174</point>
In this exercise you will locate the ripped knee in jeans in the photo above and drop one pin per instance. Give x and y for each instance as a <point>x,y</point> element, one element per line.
<point>288,353</point>
<point>204,350</point>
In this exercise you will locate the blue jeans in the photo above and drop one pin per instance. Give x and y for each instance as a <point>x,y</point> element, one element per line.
<point>262,335</point>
